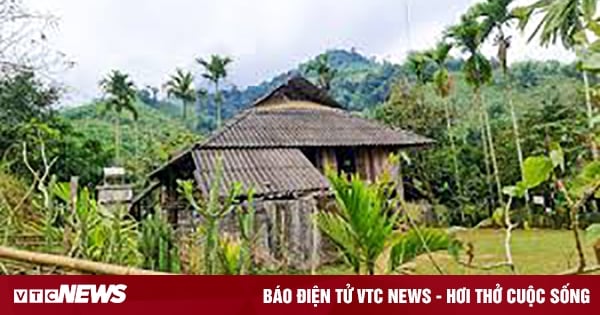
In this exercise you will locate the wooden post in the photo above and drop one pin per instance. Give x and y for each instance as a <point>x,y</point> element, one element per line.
<point>73,190</point>
<point>283,237</point>
<point>314,255</point>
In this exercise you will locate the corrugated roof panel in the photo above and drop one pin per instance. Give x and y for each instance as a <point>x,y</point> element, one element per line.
<point>268,171</point>
<point>286,128</point>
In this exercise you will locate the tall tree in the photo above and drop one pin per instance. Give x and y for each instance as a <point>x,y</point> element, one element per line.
<point>120,95</point>
<point>496,18</point>
<point>324,72</point>
<point>478,72</point>
<point>201,96</point>
<point>416,64</point>
<point>443,87</point>
<point>568,21</point>
<point>181,86</point>
<point>215,70</point>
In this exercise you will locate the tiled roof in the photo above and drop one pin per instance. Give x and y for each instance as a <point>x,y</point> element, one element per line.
<point>307,127</point>
<point>260,147</point>
<point>269,172</point>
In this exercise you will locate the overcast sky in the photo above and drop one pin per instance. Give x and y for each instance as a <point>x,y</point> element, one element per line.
<point>150,38</point>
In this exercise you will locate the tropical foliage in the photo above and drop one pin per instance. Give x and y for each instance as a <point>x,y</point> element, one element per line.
<point>181,86</point>
<point>120,95</point>
<point>215,71</point>
<point>365,228</point>
<point>516,147</point>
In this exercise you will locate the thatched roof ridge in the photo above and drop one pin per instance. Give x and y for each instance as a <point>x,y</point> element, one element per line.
<point>297,88</point>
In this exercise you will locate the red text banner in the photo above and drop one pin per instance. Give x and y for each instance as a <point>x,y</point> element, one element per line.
<point>507,295</point>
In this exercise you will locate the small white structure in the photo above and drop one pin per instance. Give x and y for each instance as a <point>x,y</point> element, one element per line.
<point>113,172</point>
<point>114,190</point>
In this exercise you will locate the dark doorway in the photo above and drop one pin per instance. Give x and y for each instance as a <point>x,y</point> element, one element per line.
<point>314,156</point>
<point>346,160</point>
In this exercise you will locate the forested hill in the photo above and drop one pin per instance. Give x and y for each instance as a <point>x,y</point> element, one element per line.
<point>361,83</point>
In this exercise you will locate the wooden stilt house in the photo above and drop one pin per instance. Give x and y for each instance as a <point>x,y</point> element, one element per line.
<point>280,146</point>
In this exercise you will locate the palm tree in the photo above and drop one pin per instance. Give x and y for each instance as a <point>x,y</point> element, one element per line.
<point>478,71</point>
<point>325,73</point>
<point>495,16</point>
<point>567,21</point>
<point>416,64</point>
<point>120,94</point>
<point>443,86</point>
<point>181,86</point>
<point>215,70</point>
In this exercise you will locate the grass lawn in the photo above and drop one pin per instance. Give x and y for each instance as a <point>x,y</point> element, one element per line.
<point>534,252</point>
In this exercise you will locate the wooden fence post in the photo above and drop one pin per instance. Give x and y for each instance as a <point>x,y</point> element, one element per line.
<point>72,208</point>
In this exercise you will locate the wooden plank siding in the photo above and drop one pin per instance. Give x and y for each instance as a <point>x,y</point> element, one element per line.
<point>371,162</point>
<point>328,159</point>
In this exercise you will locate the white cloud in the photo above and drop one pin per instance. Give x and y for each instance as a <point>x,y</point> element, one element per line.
<point>149,38</point>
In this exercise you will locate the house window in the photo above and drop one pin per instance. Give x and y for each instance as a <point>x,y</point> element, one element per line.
<point>346,161</point>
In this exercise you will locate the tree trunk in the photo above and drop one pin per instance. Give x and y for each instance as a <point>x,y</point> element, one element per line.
<point>454,156</point>
<point>137,139</point>
<point>218,103</point>
<point>516,133</point>
<point>575,226</point>
<point>492,149</point>
<point>117,140</point>
<point>420,156</point>
<point>184,115</point>
<point>486,157</point>
<point>590,116</point>
<point>515,123</point>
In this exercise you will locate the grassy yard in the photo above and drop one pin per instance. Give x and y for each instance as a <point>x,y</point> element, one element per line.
<point>534,252</point>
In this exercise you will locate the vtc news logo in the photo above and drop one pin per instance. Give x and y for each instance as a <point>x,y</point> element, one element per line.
<point>74,293</point>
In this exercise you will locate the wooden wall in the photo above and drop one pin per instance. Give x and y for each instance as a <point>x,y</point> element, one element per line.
<point>371,162</point>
